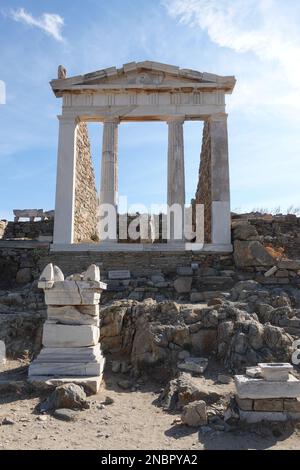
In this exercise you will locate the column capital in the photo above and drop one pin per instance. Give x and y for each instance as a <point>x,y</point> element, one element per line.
<point>66,119</point>
<point>111,120</point>
<point>176,118</point>
<point>218,117</point>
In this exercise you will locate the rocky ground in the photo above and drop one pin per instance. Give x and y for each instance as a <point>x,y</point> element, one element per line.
<point>132,418</point>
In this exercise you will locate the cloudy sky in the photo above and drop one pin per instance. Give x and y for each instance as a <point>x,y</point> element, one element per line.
<point>258,41</point>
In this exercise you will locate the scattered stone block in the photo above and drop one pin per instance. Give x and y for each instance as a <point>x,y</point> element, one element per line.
<point>69,396</point>
<point>194,414</point>
<point>195,365</point>
<point>271,271</point>
<point>64,414</point>
<point>254,372</point>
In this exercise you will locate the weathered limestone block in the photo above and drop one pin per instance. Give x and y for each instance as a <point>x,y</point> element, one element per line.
<point>291,404</point>
<point>289,264</point>
<point>274,404</point>
<point>245,231</point>
<point>74,293</point>
<point>69,336</point>
<point>245,404</point>
<point>251,253</point>
<point>261,389</point>
<point>275,372</point>
<point>251,417</point>
<point>194,414</point>
<point>71,315</point>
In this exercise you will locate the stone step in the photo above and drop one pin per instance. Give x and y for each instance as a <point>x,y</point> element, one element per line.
<point>66,355</point>
<point>66,369</point>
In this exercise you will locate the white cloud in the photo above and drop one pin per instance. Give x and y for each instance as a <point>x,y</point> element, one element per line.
<point>50,23</point>
<point>262,27</point>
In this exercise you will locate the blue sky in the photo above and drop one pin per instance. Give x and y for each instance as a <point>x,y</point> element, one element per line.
<point>258,41</point>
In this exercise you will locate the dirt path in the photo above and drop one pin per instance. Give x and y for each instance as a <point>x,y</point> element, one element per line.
<point>132,421</point>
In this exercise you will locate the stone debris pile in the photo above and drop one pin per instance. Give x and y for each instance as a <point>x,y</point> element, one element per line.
<point>268,392</point>
<point>71,349</point>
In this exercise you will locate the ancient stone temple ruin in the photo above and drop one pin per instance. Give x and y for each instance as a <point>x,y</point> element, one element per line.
<point>143,91</point>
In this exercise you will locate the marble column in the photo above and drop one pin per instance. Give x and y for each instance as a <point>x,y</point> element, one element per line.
<point>176,178</point>
<point>109,175</point>
<point>220,189</point>
<point>65,181</point>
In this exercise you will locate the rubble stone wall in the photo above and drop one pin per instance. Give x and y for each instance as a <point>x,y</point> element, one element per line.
<point>85,217</point>
<point>280,231</point>
<point>203,192</point>
<point>27,230</point>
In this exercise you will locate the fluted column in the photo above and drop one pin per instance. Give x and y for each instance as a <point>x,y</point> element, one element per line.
<point>220,187</point>
<point>176,178</point>
<point>65,182</point>
<point>109,174</point>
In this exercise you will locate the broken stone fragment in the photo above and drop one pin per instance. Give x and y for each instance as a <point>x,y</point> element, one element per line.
<point>194,414</point>
<point>69,396</point>
<point>195,365</point>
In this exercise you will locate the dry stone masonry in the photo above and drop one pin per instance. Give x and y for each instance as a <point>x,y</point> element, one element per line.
<point>71,350</point>
<point>85,215</point>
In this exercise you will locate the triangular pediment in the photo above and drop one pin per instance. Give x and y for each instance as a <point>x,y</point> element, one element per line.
<point>139,75</point>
